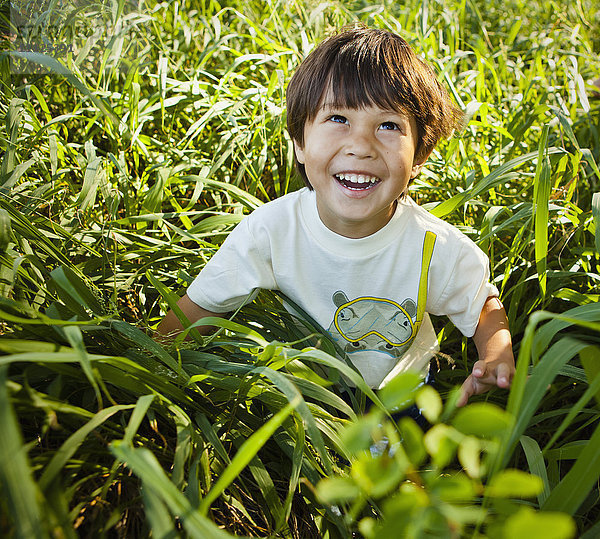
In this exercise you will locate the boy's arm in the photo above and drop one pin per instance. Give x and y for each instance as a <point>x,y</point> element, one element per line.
<point>496,365</point>
<point>171,325</point>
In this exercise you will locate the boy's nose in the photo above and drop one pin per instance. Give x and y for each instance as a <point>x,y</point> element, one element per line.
<point>360,144</point>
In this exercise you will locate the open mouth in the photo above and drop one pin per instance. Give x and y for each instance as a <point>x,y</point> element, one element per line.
<point>357,182</point>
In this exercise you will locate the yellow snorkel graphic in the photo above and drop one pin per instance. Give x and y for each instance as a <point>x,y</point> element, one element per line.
<point>379,324</point>
<point>357,319</point>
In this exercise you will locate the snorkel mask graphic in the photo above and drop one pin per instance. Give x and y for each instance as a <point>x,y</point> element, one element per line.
<point>358,319</point>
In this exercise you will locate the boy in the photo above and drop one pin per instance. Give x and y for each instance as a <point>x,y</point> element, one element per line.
<point>351,248</point>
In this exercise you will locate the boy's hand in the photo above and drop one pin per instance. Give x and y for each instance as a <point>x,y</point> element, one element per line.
<point>484,377</point>
<point>496,365</point>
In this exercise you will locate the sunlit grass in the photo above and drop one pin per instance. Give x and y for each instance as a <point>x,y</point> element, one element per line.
<point>126,165</point>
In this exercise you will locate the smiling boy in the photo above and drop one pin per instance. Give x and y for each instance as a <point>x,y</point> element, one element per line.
<point>351,248</point>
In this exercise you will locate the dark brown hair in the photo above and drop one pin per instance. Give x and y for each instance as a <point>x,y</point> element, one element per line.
<point>366,66</point>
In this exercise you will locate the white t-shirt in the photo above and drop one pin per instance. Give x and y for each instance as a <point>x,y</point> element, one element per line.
<point>365,291</point>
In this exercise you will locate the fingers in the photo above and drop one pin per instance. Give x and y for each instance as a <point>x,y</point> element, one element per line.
<point>466,390</point>
<point>479,369</point>
<point>484,376</point>
<point>471,386</point>
<point>504,375</point>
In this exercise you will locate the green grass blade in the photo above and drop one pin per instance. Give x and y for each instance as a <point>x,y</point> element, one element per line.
<point>491,180</point>
<point>293,395</point>
<point>55,66</point>
<point>172,300</point>
<point>596,215</point>
<point>542,336</point>
<point>574,488</point>
<point>533,391</point>
<point>139,337</point>
<point>138,414</point>
<point>297,458</point>
<point>78,289</point>
<point>591,533</point>
<point>75,338</point>
<point>231,326</point>
<point>208,432</point>
<point>541,199</point>
<point>536,463</point>
<point>264,481</point>
<point>144,464</point>
<point>591,392</point>
<point>22,495</point>
<point>239,195</point>
<point>244,455</point>
<point>72,443</point>
<point>160,520</point>
<point>591,367</point>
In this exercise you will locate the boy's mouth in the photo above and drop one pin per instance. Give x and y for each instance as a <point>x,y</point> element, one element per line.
<point>357,182</point>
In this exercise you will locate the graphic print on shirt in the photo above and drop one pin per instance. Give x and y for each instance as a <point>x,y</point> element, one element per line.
<point>368,323</point>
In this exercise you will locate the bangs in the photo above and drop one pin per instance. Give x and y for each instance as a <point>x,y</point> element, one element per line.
<point>361,77</point>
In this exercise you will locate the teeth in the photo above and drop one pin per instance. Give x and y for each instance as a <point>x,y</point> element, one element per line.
<point>357,178</point>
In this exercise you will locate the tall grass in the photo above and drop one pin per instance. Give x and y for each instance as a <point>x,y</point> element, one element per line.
<point>127,160</point>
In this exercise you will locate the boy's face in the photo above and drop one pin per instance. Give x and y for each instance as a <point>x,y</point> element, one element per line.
<point>359,161</point>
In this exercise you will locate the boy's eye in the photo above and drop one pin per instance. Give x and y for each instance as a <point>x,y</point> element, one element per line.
<point>389,126</point>
<point>338,118</point>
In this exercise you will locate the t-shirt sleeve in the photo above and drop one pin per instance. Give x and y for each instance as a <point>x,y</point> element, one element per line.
<point>464,291</point>
<point>234,274</point>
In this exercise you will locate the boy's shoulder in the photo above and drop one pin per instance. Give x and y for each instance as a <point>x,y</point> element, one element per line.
<point>283,208</point>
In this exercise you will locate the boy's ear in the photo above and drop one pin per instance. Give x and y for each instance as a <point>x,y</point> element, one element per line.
<point>418,164</point>
<point>299,152</point>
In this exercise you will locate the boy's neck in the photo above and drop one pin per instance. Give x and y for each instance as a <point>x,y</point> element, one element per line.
<point>356,229</point>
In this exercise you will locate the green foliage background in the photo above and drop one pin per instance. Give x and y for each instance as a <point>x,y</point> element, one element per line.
<point>136,135</point>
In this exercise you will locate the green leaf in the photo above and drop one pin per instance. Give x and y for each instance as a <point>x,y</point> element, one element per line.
<point>140,338</point>
<point>441,444</point>
<point>482,419</point>
<point>469,455</point>
<point>358,435</point>
<point>377,476</point>
<point>485,184</point>
<point>333,490</point>
<point>511,483</point>
<point>542,186</point>
<point>238,194</point>
<point>412,440</point>
<point>58,68</point>
<point>158,516</point>
<point>528,523</point>
<point>5,229</point>
<point>527,392</point>
<point>429,402</point>
<point>265,483</point>
<point>399,392</point>
<point>454,488</point>
<point>78,290</point>
<point>138,414</point>
<point>75,338</point>
<point>294,396</point>
<point>592,390</point>
<point>297,459</point>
